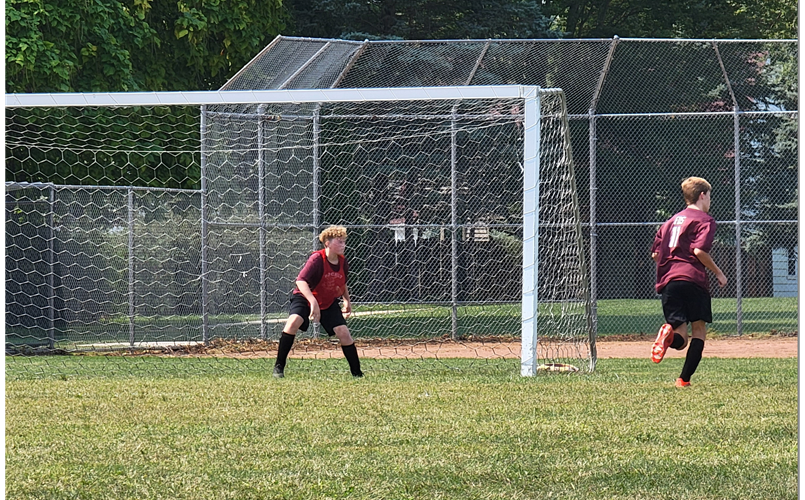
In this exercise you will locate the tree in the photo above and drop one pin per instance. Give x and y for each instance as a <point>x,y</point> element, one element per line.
<point>128,45</point>
<point>680,19</point>
<point>123,45</point>
<point>73,45</point>
<point>204,43</point>
<point>420,19</point>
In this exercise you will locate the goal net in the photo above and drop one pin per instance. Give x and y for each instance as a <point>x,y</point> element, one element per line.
<point>176,223</point>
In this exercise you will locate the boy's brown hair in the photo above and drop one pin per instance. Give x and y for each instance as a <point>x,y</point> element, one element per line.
<point>693,187</point>
<point>333,232</point>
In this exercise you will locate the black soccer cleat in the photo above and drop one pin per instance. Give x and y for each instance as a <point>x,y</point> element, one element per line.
<point>357,375</point>
<point>279,372</point>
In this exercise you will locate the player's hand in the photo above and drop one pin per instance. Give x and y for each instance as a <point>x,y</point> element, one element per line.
<point>315,311</point>
<point>347,309</point>
<point>722,280</point>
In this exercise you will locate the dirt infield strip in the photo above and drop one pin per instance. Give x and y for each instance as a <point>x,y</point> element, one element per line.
<point>618,347</point>
<point>771,347</point>
<point>767,347</point>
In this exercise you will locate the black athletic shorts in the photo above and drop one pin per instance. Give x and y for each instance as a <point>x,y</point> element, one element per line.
<point>685,302</point>
<point>330,317</point>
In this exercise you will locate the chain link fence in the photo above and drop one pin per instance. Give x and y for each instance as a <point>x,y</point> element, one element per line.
<point>644,114</point>
<point>112,221</point>
<point>431,191</point>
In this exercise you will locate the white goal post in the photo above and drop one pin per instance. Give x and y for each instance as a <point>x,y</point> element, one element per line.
<point>556,327</point>
<point>201,98</point>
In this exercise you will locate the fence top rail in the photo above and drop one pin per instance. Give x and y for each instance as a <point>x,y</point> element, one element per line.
<point>659,223</point>
<point>200,98</point>
<point>16,186</point>
<point>687,114</point>
<point>549,40</point>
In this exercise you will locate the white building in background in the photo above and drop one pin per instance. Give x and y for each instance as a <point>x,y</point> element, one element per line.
<point>785,269</point>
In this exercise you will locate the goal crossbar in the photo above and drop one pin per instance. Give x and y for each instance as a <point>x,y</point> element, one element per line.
<point>200,98</point>
<point>529,117</point>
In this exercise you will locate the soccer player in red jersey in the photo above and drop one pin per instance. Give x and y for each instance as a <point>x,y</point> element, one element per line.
<point>321,286</point>
<point>680,250</point>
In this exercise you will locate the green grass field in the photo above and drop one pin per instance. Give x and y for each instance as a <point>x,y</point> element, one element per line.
<point>171,430</point>
<point>615,317</point>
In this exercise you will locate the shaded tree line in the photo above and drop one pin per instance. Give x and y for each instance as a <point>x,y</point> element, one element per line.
<point>157,45</point>
<point>131,45</point>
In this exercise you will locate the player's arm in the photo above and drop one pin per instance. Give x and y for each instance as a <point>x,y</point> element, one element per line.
<point>655,246</point>
<point>710,264</point>
<point>347,309</point>
<point>315,312</point>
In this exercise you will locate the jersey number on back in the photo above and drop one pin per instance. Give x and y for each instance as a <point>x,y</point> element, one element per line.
<point>676,230</point>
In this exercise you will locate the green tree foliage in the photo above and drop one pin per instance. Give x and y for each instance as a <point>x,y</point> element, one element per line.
<point>123,45</point>
<point>681,19</point>
<point>73,45</point>
<point>203,43</point>
<point>419,19</point>
<point>128,45</point>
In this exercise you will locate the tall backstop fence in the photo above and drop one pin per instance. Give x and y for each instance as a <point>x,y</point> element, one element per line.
<point>460,203</point>
<point>644,114</point>
<point>178,223</point>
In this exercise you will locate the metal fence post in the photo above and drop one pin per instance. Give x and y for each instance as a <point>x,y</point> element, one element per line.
<point>316,176</point>
<point>737,146</point>
<point>738,266</point>
<point>316,193</point>
<point>593,145</point>
<point>130,205</point>
<point>52,259</point>
<point>204,231</point>
<point>453,227</point>
<point>261,188</point>
<point>593,222</point>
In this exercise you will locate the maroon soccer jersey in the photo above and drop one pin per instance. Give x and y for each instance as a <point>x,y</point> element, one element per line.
<point>327,281</point>
<point>675,242</point>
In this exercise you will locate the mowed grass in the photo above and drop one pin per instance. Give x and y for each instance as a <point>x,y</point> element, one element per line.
<point>175,431</point>
<point>761,316</point>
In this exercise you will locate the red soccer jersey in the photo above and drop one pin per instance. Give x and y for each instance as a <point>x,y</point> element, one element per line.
<point>327,281</point>
<point>675,242</point>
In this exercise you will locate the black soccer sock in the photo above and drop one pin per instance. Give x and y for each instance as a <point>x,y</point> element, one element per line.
<point>678,342</point>
<point>351,353</point>
<point>692,359</point>
<point>286,344</point>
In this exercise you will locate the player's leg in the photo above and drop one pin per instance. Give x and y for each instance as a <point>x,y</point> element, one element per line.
<point>342,334</point>
<point>298,318</point>
<point>333,322</point>
<point>349,349</point>
<point>699,310</point>
<point>286,343</point>
<point>674,333</point>
<point>292,324</point>
<point>694,355</point>
<point>699,330</point>
<point>681,337</point>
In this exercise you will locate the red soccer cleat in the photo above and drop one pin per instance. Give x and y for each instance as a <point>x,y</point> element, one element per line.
<point>664,339</point>
<point>682,383</point>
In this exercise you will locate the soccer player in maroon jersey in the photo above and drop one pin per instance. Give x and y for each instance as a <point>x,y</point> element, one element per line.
<point>320,287</point>
<point>680,250</point>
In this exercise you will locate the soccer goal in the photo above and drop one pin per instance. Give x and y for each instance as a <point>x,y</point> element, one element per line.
<point>177,222</point>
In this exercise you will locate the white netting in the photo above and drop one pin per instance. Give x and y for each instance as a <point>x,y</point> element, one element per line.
<point>431,193</point>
